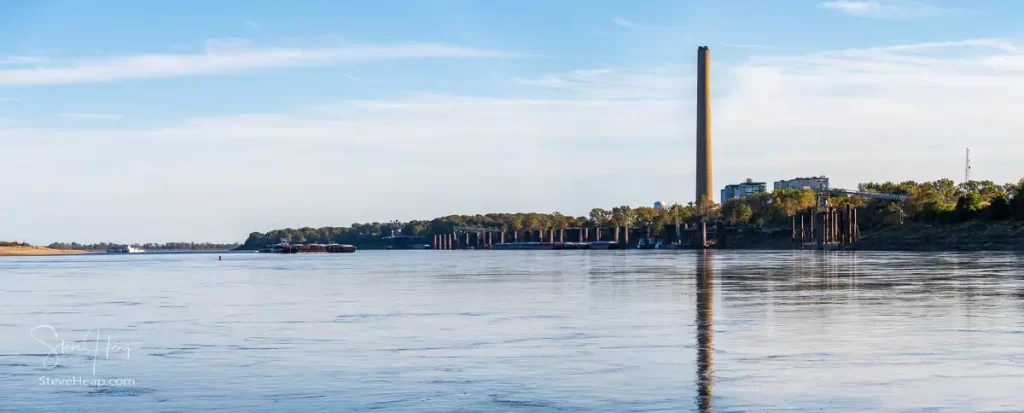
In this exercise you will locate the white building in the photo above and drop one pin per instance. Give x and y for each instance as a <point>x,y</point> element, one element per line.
<point>812,183</point>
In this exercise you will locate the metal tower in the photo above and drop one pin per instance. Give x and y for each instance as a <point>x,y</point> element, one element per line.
<point>967,166</point>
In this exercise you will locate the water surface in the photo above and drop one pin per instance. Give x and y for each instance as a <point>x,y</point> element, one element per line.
<point>545,331</point>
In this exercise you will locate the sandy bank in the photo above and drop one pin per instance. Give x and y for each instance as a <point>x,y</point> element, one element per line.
<point>37,251</point>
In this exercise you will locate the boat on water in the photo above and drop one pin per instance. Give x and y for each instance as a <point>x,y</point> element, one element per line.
<point>603,245</point>
<point>596,245</point>
<point>284,247</point>
<point>124,249</point>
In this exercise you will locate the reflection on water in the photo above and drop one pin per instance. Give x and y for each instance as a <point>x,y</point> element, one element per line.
<point>537,331</point>
<point>705,324</point>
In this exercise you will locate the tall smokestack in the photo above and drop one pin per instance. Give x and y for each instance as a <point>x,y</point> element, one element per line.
<point>703,124</point>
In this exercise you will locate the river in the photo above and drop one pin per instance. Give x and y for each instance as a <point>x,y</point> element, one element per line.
<point>544,331</point>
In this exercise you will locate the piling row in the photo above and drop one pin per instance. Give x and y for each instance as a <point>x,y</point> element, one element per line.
<point>830,226</point>
<point>487,239</point>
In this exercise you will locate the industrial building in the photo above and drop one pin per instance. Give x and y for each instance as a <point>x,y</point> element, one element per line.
<point>703,125</point>
<point>745,189</point>
<point>813,183</point>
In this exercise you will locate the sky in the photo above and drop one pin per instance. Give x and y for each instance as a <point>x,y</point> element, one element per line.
<point>126,121</point>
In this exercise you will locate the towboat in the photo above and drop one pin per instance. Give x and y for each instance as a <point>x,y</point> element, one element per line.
<point>124,249</point>
<point>603,245</point>
<point>528,245</point>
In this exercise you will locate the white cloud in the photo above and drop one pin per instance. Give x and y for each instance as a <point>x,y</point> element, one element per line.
<point>857,8</point>
<point>666,82</point>
<point>8,99</point>
<point>22,60</point>
<point>886,113</point>
<point>747,46</point>
<point>392,153</point>
<point>90,116</point>
<point>624,23</point>
<point>226,57</point>
<point>885,8</point>
<point>568,141</point>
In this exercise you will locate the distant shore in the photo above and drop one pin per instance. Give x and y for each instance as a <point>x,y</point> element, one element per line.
<point>31,250</point>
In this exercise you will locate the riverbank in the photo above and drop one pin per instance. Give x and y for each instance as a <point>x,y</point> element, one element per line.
<point>31,250</point>
<point>970,236</point>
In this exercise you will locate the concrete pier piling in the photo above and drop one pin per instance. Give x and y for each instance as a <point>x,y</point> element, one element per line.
<point>831,227</point>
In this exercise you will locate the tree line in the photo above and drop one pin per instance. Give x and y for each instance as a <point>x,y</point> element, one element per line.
<point>151,246</point>
<point>930,202</point>
<point>372,233</point>
<point>933,202</point>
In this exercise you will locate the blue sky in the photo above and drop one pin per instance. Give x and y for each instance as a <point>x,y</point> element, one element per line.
<point>145,121</point>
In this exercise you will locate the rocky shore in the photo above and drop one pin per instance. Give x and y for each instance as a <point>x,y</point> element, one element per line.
<point>970,236</point>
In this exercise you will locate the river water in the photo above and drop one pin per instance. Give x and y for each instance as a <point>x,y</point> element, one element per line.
<point>544,331</point>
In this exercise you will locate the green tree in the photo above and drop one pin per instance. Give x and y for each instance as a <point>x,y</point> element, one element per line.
<point>1017,202</point>
<point>737,211</point>
<point>968,206</point>
<point>706,209</point>
<point>645,215</point>
<point>559,221</point>
<point>985,189</point>
<point>600,217</point>
<point>999,209</point>
<point>946,189</point>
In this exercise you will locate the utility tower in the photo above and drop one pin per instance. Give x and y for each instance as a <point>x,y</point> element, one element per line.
<point>967,166</point>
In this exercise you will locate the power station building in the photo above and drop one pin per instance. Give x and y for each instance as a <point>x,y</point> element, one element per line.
<point>813,183</point>
<point>745,189</point>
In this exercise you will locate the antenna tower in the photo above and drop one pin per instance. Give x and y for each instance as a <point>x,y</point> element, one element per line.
<point>967,166</point>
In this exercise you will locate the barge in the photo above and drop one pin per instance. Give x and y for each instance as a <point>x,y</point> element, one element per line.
<point>596,245</point>
<point>286,248</point>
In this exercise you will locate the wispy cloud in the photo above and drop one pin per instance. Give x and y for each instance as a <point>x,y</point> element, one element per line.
<point>885,8</point>
<point>625,23</point>
<point>219,59</point>
<point>878,113</point>
<point>22,60</point>
<point>658,83</point>
<point>90,116</point>
<point>899,112</point>
<point>747,46</point>
<point>8,99</point>
<point>252,24</point>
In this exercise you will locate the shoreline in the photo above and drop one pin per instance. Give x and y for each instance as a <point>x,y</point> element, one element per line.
<point>37,251</point>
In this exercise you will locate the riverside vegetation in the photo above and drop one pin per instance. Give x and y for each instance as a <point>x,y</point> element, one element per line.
<point>936,215</point>
<point>941,203</point>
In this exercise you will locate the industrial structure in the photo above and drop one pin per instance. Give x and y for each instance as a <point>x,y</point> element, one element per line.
<point>813,183</point>
<point>704,184</point>
<point>748,188</point>
<point>967,166</point>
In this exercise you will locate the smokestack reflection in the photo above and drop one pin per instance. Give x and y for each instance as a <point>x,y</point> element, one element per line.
<point>705,330</point>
